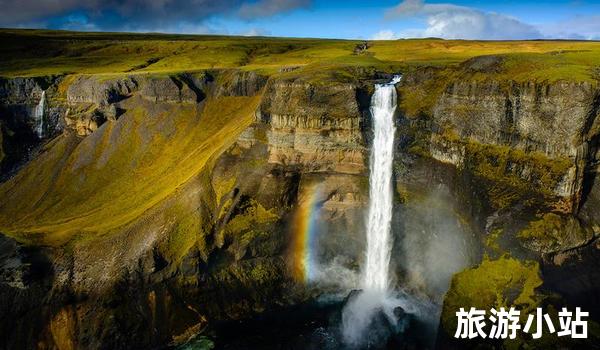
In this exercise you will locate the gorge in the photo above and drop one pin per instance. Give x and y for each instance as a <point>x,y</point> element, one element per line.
<point>237,191</point>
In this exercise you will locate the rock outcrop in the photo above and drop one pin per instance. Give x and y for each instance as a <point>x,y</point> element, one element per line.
<point>19,98</point>
<point>550,120</point>
<point>543,134</point>
<point>318,128</point>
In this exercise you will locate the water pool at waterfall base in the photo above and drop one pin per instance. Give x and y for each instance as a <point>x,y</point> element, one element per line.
<point>316,325</point>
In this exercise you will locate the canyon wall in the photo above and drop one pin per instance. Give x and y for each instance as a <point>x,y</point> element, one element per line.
<point>154,206</point>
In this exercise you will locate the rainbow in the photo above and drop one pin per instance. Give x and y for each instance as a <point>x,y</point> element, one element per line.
<point>304,235</point>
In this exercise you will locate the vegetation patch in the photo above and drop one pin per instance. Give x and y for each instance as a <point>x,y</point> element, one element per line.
<point>121,170</point>
<point>510,175</point>
<point>189,231</point>
<point>505,282</point>
<point>491,241</point>
<point>252,217</point>
<point>552,232</point>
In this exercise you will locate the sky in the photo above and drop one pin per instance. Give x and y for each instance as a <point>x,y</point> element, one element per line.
<point>347,19</point>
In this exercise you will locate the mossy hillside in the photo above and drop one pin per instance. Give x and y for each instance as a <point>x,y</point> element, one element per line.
<point>423,85</point>
<point>189,231</point>
<point>343,69</point>
<point>245,219</point>
<point>251,284</point>
<point>121,170</point>
<point>522,60</point>
<point>252,222</point>
<point>421,89</point>
<point>492,244</point>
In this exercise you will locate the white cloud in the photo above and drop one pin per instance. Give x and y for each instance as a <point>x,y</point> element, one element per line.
<point>578,27</point>
<point>384,35</point>
<point>409,8</point>
<point>256,32</point>
<point>458,22</point>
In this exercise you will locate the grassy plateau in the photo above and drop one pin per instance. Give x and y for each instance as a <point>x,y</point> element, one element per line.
<point>43,52</point>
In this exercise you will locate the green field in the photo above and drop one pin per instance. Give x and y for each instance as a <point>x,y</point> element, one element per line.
<point>42,52</point>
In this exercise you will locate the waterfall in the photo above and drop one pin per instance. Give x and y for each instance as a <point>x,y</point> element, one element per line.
<point>39,116</point>
<point>379,242</point>
<point>360,312</point>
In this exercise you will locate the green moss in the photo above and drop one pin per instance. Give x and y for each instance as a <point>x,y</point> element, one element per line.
<point>409,194</point>
<point>253,216</point>
<point>508,175</point>
<point>544,228</point>
<point>505,282</point>
<point>345,68</point>
<point>261,273</point>
<point>491,241</point>
<point>553,232</point>
<point>198,343</point>
<point>223,186</point>
<point>257,163</point>
<point>419,100</point>
<point>501,168</point>
<point>188,231</point>
<point>249,221</point>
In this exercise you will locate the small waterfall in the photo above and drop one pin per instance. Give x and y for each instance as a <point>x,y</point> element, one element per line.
<point>379,243</point>
<point>39,116</point>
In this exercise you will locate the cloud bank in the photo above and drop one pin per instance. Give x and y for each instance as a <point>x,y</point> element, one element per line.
<point>579,27</point>
<point>136,15</point>
<point>267,8</point>
<point>450,21</point>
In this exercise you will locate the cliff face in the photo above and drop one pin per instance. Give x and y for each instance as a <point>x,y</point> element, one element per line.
<point>538,138</point>
<point>19,98</point>
<point>155,205</point>
<point>142,250</point>
<point>318,128</point>
<point>523,160</point>
<point>552,121</point>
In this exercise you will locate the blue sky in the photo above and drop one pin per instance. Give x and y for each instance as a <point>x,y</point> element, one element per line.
<point>468,19</point>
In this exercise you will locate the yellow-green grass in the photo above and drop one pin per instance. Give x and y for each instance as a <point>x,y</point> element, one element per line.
<point>42,52</point>
<point>120,171</point>
<point>525,60</point>
<point>35,53</point>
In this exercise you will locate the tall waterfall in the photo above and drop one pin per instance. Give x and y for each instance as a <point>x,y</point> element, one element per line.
<point>379,242</point>
<point>39,115</point>
<point>360,311</point>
